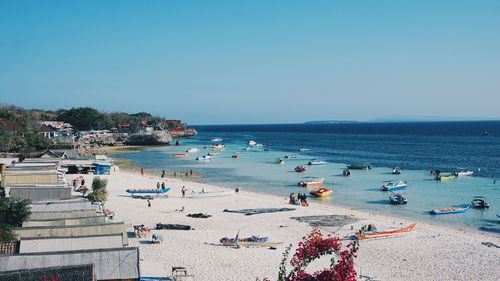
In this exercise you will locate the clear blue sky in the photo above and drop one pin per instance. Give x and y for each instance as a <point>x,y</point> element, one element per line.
<point>213,62</point>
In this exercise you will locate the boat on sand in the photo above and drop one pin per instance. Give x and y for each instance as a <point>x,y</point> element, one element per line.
<point>382,234</point>
<point>148,190</point>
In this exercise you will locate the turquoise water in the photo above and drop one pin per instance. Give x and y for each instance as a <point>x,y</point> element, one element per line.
<point>255,170</point>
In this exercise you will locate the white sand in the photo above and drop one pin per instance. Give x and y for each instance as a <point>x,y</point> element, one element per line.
<point>430,252</point>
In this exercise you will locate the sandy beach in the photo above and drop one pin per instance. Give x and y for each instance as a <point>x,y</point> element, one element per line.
<point>429,252</point>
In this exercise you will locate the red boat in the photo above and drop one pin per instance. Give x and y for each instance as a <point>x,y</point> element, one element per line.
<point>300,169</point>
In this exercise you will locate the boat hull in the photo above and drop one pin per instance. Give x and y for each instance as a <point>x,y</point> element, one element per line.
<point>150,191</point>
<point>371,235</point>
<point>321,192</point>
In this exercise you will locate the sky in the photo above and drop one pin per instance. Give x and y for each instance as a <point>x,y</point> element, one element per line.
<point>244,62</point>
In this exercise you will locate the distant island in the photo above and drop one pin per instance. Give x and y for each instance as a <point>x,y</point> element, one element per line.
<point>331,122</point>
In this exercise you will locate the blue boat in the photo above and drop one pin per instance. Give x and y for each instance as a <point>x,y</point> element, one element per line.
<point>394,185</point>
<point>449,211</point>
<point>148,190</point>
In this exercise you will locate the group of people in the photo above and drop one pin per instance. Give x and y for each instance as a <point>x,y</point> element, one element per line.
<point>298,199</point>
<point>162,185</point>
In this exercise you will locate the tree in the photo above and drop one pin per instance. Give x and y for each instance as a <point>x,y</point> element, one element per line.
<point>14,211</point>
<point>99,192</point>
<point>7,234</point>
<point>82,118</point>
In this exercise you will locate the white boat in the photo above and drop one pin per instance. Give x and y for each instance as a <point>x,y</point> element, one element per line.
<point>393,185</point>
<point>204,157</point>
<point>259,145</point>
<point>246,148</point>
<point>192,149</point>
<point>218,146</point>
<point>204,194</point>
<point>251,143</point>
<point>309,182</point>
<point>291,156</point>
<point>303,149</point>
<point>279,161</point>
<point>216,139</point>
<point>212,153</point>
<point>316,162</point>
<point>464,173</point>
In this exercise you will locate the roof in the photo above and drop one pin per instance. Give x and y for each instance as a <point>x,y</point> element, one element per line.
<point>64,153</point>
<point>11,125</point>
<point>45,128</point>
<point>84,272</point>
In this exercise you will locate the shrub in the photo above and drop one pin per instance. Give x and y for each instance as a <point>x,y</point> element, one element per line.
<point>99,192</point>
<point>7,234</point>
<point>13,211</point>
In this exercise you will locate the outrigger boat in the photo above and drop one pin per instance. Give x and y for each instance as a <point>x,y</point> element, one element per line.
<point>310,181</point>
<point>148,190</point>
<point>363,166</point>
<point>316,162</point>
<point>321,192</point>
<point>393,185</point>
<point>444,177</point>
<point>382,234</point>
<point>279,161</point>
<point>300,169</point>
<point>253,241</point>
<point>180,154</point>
<point>291,156</point>
<point>445,211</point>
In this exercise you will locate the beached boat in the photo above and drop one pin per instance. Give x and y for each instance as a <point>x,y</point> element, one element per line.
<point>321,192</point>
<point>445,211</point>
<point>253,241</point>
<point>216,139</point>
<point>290,156</point>
<point>464,173</point>
<point>362,166</point>
<point>382,234</point>
<point>279,161</point>
<point>300,169</point>
<point>192,149</point>
<point>304,149</point>
<point>444,177</point>
<point>251,143</point>
<point>310,182</point>
<point>397,199</point>
<point>396,171</point>
<point>393,185</point>
<point>204,157</point>
<point>180,154</point>
<point>204,194</point>
<point>148,190</point>
<point>316,162</point>
<point>236,155</point>
<point>479,202</point>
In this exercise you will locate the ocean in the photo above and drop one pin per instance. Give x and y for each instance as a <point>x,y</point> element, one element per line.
<point>415,147</point>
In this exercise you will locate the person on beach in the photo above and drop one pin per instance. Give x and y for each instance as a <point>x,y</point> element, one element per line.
<point>183,190</point>
<point>83,181</point>
<point>237,190</point>
<point>149,203</point>
<point>163,173</point>
<point>175,174</point>
<point>163,185</point>
<point>142,171</point>
<point>191,172</point>
<point>158,185</point>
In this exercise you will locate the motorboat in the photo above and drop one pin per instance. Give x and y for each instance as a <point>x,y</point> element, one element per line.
<point>267,149</point>
<point>316,162</point>
<point>204,157</point>
<point>321,192</point>
<point>218,149</point>
<point>180,154</point>
<point>397,198</point>
<point>220,145</point>
<point>246,148</point>
<point>346,173</point>
<point>463,173</point>
<point>360,166</point>
<point>300,169</point>
<point>212,154</point>
<point>216,139</point>
<point>396,171</point>
<point>445,211</point>
<point>259,145</point>
<point>291,156</point>
<point>279,161</point>
<point>251,143</point>
<point>310,181</point>
<point>304,149</point>
<point>393,185</point>
<point>479,202</point>
<point>236,155</point>
<point>192,149</point>
<point>444,177</point>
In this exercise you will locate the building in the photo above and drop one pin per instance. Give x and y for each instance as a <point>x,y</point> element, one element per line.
<point>12,126</point>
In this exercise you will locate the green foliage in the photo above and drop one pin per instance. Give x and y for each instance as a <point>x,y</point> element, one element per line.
<point>13,211</point>
<point>7,234</point>
<point>84,118</point>
<point>99,192</point>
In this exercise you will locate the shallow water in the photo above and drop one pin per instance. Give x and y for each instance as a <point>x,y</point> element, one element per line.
<point>255,170</point>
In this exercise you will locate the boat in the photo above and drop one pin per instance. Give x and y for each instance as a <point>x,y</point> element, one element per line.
<point>479,202</point>
<point>360,166</point>
<point>251,143</point>
<point>216,139</point>
<point>279,161</point>
<point>393,185</point>
<point>259,145</point>
<point>303,149</point>
<point>180,154</point>
<point>236,155</point>
<point>218,146</point>
<point>212,154</point>
<point>397,198</point>
<point>218,149</point>
<point>289,156</point>
<point>204,157</point>
<point>148,190</point>
<point>463,173</point>
<point>321,192</point>
<point>310,181</point>
<point>382,234</point>
<point>316,162</point>
<point>346,173</point>
<point>300,169</point>
<point>445,211</point>
<point>396,171</point>
<point>253,241</point>
<point>246,148</point>
<point>444,177</point>
<point>193,149</point>
<point>267,149</point>
<point>486,133</point>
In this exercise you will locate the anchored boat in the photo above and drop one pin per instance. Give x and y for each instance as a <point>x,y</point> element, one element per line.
<point>300,169</point>
<point>316,162</point>
<point>393,185</point>
<point>479,202</point>
<point>193,149</point>
<point>279,161</point>
<point>310,181</point>
<point>291,156</point>
<point>321,192</point>
<point>445,211</point>
<point>396,171</point>
<point>362,166</point>
<point>180,154</point>
<point>397,199</point>
<point>236,155</point>
<point>444,177</point>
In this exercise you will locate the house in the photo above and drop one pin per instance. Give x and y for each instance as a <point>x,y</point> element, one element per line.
<point>62,154</point>
<point>131,127</point>
<point>47,131</point>
<point>12,126</point>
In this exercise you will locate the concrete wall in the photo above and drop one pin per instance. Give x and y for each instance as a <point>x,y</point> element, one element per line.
<point>62,206</point>
<point>110,264</point>
<point>60,215</point>
<point>37,245</point>
<point>77,230</point>
<point>66,222</point>
<point>23,178</point>
<point>39,193</point>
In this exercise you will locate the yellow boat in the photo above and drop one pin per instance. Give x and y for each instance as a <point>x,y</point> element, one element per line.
<point>321,192</point>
